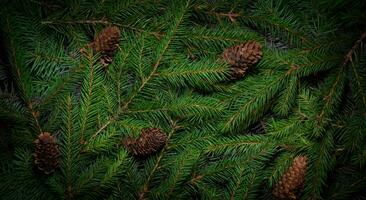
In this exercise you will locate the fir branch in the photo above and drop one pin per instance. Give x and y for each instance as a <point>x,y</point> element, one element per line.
<point>287,97</point>
<point>102,21</point>
<point>62,84</point>
<point>356,45</point>
<point>145,186</point>
<point>165,44</point>
<point>262,18</point>
<point>169,75</point>
<point>89,98</point>
<point>332,96</point>
<point>321,162</point>
<point>20,76</point>
<point>253,106</point>
<point>359,79</point>
<point>70,155</point>
<point>360,84</point>
<point>180,169</point>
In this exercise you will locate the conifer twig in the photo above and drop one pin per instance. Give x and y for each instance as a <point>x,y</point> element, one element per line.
<point>18,75</point>
<point>347,59</point>
<point>102,21</point>
<point>145,187</point>
<point>144,82</point>
<point>348,56</point>
<point>232,17</point>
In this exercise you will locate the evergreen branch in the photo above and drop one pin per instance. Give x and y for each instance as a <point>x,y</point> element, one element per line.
<point>359,80</point>
<point>356,45</point>
<point>279,168</point>
<point>145,187</point>
<point>170,76</point>
<point>240,180</point>
<point>251,184</point>
<point>103,143</point>
<point>181,167</point>
<point>69,154</point>
<point>61,84</point>
<point>283,129</point>
<point>332,93</point>
<point>218,38</point>
<point>104,22</point>
<point>211,41</point>
<point>168,39</point>
<point>111,120</point>
<point>261,98</point>
<point>143,110</point>
<point>185,73</point>
<point>157,63</point>
<point>17,73</point>
<point>321,162</point>
<point>241,143</point>
<point>254,105</point>
<point>89,88</point>
<point>86,179</point>
<point>237,184</point>
<point>260,19</point>
<point>329,101</point>
<point>196,139</point>
<point>234,144</point>
<point>114,169</point>
<point>120,69</point>
<point>287,98</point>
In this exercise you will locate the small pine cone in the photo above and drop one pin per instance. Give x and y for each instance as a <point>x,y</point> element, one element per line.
<point>293,180</point>
<point>106,43</point>
<point>245,54</point>
<point>46,153</point>
<point>150,141</point>
<point>242,57</point>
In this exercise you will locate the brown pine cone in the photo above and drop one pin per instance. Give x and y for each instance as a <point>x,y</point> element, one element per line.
<point>150,141</point>
<point>106,43</point>
<point>46,153</point>
<point>292,181</point>
<point>242,57</point>
<point>245,54</point>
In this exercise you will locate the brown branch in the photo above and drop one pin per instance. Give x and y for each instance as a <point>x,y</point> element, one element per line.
<point>144,82</point>
<point>347,59</point>
<point>105,22</point>
<point>232,17</point>
<point>18,76</point>
<point>348,56</point>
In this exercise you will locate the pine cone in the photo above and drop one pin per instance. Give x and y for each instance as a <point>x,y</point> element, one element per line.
<point>242,57</point>
<point>106,43</point>
<point>293,180</point>
<point>150,141</point>
<point>46,153</point>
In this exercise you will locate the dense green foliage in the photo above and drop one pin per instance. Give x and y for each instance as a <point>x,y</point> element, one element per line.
<point>226,139</point>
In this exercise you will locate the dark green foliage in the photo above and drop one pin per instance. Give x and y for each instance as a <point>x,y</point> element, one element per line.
<point>225,139</point>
